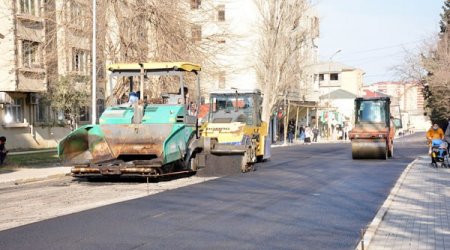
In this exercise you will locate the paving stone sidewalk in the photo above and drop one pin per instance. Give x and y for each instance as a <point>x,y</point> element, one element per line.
<point>419,215</point>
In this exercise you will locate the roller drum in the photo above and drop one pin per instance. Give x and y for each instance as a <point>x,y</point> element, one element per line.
<point>369,149</point>
<point>223,165</point>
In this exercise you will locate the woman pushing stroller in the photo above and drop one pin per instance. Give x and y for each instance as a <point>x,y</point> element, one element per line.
<point>437,145</point>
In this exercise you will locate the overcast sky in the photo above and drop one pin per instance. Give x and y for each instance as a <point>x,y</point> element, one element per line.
<point>373,34</point>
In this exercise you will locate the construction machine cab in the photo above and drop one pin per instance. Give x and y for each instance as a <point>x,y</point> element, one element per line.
<point>372,111</point>
<point>228,106</point>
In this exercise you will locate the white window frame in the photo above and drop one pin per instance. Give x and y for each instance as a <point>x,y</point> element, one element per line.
<point>77,14</point>
<point>80,59</point>
<point>29,7</point>
<point>30,53</point>
<point>196,33</point>
<point>195,4</point>
<point>16,110</point>
<point>221,13</point>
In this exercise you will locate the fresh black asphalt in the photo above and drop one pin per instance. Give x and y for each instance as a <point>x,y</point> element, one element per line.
<point>305,197</point>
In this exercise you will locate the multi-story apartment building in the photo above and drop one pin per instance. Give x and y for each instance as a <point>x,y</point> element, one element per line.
<point>41,42</point>
<point>24,73</point>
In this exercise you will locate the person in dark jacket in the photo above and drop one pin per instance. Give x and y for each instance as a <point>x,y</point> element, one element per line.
<point>291,131</point>
<point>447,132</point>
<point>3,151</point>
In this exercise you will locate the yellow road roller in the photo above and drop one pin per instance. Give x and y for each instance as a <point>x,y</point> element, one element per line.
<point>234,137</point>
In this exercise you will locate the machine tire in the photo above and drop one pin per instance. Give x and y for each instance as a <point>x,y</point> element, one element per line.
<point>192,164</point>
<point>260,158</point>
<point>244,163</point>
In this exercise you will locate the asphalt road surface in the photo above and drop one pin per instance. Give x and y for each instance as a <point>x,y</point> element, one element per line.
<point>305,197</point>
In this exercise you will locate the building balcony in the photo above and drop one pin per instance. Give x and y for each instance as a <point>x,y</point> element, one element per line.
<point>31,79</point>
<point>29,18</point>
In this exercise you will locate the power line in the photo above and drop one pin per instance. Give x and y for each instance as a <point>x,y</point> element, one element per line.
<point>386,47</point>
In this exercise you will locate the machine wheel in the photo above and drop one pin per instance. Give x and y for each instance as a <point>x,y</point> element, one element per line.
<point>245,165</point>
<point>192,164</point>
<point>260,158</point>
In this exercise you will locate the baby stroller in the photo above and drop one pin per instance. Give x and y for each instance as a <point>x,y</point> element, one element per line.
<point>439,153</point>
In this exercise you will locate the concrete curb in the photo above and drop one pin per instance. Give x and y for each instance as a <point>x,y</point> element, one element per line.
<point>37,179</point>
<point>24,176</point>
<point>372,229</point>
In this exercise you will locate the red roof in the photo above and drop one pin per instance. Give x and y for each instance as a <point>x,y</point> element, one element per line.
<point>369,93</point>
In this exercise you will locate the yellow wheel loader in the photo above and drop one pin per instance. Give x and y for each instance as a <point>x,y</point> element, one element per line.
<point>234,137</point>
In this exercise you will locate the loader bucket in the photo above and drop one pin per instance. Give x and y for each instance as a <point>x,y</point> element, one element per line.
<point>102,143</point>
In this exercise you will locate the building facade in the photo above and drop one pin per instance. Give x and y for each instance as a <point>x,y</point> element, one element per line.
<point>24,74</point>
<point>42,42</point>
<point>230,30</point>
<point>332,76</point>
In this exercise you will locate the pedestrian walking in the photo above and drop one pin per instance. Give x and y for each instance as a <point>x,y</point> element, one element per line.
<point>291,131</point>
<point>301,133</point>
<point>315,134</point>
<point>308,134</point>
<point>3,151</point>
<point>447,132</point>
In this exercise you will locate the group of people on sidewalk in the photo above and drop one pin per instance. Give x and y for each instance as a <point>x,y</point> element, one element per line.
<point>306,134</point>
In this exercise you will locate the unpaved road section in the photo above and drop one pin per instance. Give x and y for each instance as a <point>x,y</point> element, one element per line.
<point>32,202</point>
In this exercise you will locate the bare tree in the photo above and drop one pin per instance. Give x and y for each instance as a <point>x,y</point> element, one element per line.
<point>430,67</point>
<point>282,38</point>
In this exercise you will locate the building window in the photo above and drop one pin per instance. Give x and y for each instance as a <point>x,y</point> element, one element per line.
<point>30,54</point>
<point>221,13</point>
<point>321,77</point>
<point>334,77</point>
<point>195,4</point>
<point>28,7</point>
<point>79,60</point>
<point>77,15</point>
<point>84,114</point>
<point>43,111</point>
<point>196,33</point>
<point>221,79</point>
<point>15,110</point>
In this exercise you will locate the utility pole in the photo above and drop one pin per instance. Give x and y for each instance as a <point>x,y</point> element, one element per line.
<point>94,62</point>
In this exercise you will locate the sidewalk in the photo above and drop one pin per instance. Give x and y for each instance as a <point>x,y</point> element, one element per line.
<point>416,215</point>
<point>23,175</point>
<point>19,175</point>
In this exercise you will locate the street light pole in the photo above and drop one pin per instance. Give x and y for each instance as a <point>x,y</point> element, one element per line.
<point>94,62</point>
<point>329,91</point>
